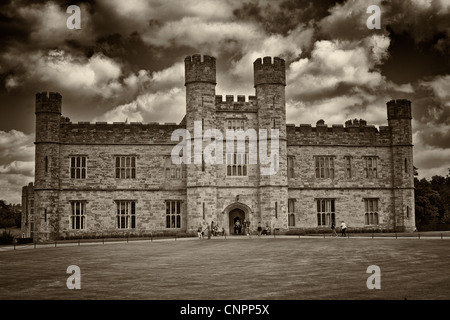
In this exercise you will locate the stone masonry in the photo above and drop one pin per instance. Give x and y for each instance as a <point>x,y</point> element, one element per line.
<point>118,178</point>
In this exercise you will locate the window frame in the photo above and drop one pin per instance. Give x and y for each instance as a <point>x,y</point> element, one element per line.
<point>82,168</point>
<point>78,220</point>
<point>174,213</point>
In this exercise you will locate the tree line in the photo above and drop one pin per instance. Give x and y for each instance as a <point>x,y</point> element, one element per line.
<point>432,203</point>
<point>10,215</point>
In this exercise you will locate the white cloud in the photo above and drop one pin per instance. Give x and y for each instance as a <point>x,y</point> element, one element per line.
<point>440,86</point>
<point>16,145</point>
<point>48,22</point>
<point>16,164</point>
<point>162,106</point>
<point>333,63</point>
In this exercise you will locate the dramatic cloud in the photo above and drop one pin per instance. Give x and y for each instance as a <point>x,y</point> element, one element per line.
<point>126,64</point>
<point>16,163</point>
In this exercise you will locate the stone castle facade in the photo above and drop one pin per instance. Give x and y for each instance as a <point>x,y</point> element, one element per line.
<point>102,178</point>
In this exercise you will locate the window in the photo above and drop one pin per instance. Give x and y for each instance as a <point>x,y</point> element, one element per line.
<point>78,216</point>
<point>291,212</point>
<point>45,215</point>
<point>78,167</point>
<point>370,167</point>
<point>126,167</point>
<point>173,171</point>
<point>46,164</point>
<point>173,214</point>
<point>126,214</point>
<point>325,212</point>
<point>325,167</point>
<point>274,123</point>
<point>407,212</point>
<point>235,124</point>
<point>371,208</point>
<point>290,166</point>
<point>348,167</point>
<point>406,165</point>
<point>204,213</point>
<point>276,210</point>
<point>237,164</point>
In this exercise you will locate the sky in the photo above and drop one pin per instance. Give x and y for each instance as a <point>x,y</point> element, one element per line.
<point>127,63</point>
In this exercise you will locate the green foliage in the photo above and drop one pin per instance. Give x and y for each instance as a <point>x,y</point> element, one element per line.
<point>432,202</point>
<point>6,237</point>
<point>10,215</point>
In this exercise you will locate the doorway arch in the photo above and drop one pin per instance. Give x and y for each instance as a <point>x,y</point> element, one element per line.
<point>233,212</point>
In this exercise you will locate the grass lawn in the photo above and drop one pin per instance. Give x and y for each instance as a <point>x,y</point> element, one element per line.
<point>239,269</point>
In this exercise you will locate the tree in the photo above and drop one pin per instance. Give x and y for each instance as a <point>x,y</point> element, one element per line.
<point>10,215</point>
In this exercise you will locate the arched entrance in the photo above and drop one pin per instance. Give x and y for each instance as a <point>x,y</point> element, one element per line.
<point>234,212</point>
<point>236,221</point>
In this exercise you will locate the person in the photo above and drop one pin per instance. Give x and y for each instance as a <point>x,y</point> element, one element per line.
<point>208,227</point>
<point>343,228</point>
<point>200,233</point>
<point>247,227</point>
<point>237,227</point>
<point>267,230</point>
<point>259,229</point>
<point>333,229</point>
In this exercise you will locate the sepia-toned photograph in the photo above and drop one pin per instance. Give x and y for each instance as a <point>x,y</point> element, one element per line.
<point>225,158</point>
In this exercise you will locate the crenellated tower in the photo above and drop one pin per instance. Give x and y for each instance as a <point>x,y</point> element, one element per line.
<point>200,82</point>
<point>47,173</point>
<point>270,83</point>
<point>399,120</point>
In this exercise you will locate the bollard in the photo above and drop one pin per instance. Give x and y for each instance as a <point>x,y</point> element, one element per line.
<point>372,235</point>
<point>103,240</point>
<point>35,244</point>
<point>175,237</point>
<point>14,246</point>
<point>419,235</point>
<point>396,235</point>
<point>55,243</point>
<point>441,236</point>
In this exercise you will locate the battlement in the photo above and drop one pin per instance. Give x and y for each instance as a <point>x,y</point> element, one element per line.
<point>117,132</point>
<point>236,103</point>
<point>230,99</point>
<point>399,109</point>
<point>198,70</point>
<point>267,71</point>
<point>355,132</point>
<point>48,102</point>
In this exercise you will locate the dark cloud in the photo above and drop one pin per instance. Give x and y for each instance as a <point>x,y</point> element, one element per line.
<point>410,60</point>
<point>437,139</point>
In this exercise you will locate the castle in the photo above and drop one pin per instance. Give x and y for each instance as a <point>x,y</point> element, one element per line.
<point>119,178</point>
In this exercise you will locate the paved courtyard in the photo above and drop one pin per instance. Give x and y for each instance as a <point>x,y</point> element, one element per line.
<point>284,268</point>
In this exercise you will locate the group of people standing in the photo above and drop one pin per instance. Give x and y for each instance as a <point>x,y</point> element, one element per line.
<point>210,230</point>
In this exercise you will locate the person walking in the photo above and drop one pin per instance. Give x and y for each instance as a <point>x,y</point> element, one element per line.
<point>333,230</point>
<point>200,233</point>
<point>343,229</point>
